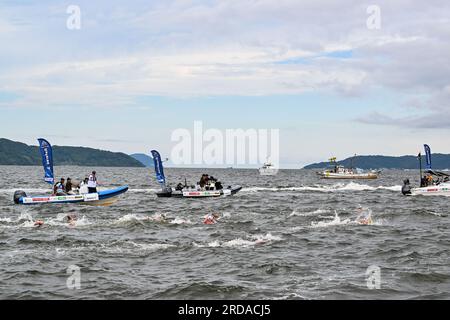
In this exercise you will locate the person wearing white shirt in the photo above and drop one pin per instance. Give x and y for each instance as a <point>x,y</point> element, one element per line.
<point>92,183</point>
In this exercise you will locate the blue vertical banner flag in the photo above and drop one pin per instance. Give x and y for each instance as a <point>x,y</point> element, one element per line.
<point>47,160</point>
<point>428,156</point>
<point>159,170</point>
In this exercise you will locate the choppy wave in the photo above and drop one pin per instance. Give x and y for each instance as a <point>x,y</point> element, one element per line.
<point>308,213</point>
<point>335,222</point>
<point>252,240</point>
<point>27,190</point>
<point>351,186</point>
<point>149,190</point>
<point>180,221</point>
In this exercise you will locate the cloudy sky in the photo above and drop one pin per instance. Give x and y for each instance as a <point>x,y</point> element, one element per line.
<point>137,70</point>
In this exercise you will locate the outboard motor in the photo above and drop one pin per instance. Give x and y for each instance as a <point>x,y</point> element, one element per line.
<point>406,189</point>
<point>165,192</point>
<point>19,194</point>
<point>218,185</point>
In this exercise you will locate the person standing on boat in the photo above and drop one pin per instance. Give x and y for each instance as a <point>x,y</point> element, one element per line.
<point>92,183</point>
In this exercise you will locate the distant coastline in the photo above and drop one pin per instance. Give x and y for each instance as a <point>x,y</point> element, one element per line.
<point>18,153</point>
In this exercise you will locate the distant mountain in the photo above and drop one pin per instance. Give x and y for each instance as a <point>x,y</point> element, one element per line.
<point>17,153</point>
<point>143,158</point>
<point>439,161</point>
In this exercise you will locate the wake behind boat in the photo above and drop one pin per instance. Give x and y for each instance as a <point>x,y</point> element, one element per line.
<point>340,172</point>
<point>207,187</point>
<point>82,195</point>
<point>432,183</point>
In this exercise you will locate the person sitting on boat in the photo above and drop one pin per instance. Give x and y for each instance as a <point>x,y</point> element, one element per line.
<point>423,182</point>
<point>179,187</point>
<point>83,189</point>
<point>429,180</point>
<point>92,183</point>
<point>60,188</point>
<point>204,181</point>
<point>218,185</point>
<point>68,186</point>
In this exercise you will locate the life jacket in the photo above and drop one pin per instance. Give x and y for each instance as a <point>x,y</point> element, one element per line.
<point>60,187</point>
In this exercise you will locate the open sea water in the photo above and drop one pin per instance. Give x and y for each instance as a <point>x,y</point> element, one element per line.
<point>289,236</point>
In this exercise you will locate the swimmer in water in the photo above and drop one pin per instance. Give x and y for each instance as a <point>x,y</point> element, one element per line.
<point>211,218</point>
<point>364,216</point>
<point>160,217</point>
<point>71,219</point>
<point>38,223</point>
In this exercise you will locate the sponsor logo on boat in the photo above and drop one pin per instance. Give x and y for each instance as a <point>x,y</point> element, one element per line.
<point>40,199</point>
<point>90,197</point>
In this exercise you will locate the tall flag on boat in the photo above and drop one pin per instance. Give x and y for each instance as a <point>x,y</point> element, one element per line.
<point>428,156</point>
<point>158,167</point>
<point>47,160</point>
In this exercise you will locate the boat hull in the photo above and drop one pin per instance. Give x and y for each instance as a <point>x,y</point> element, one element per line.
<point>101,198</point>
<point>268,172</point>
<point>199,194</point>
<point>443,190</point>
<point>331,175</point>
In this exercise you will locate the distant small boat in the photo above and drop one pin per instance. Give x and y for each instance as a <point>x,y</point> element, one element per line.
<point>340,172</point>
<point>268,169</point>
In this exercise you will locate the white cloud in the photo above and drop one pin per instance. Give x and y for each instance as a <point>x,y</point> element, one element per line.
<point>192,48</point>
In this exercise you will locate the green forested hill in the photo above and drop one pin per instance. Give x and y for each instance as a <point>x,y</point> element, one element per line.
<point>17,153</point>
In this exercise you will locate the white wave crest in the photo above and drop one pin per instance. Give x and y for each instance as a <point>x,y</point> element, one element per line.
<point>131,217</point>
<point>308,213</point>
<point>335,222</point>
<point>180,221</point>
<point>151,246</point>
<point>239,242</point>
<point>351,186</point>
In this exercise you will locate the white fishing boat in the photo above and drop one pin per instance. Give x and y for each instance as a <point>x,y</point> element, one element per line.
<point>268,169</point>
<point>432,182</point>
<point>341,172</point>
